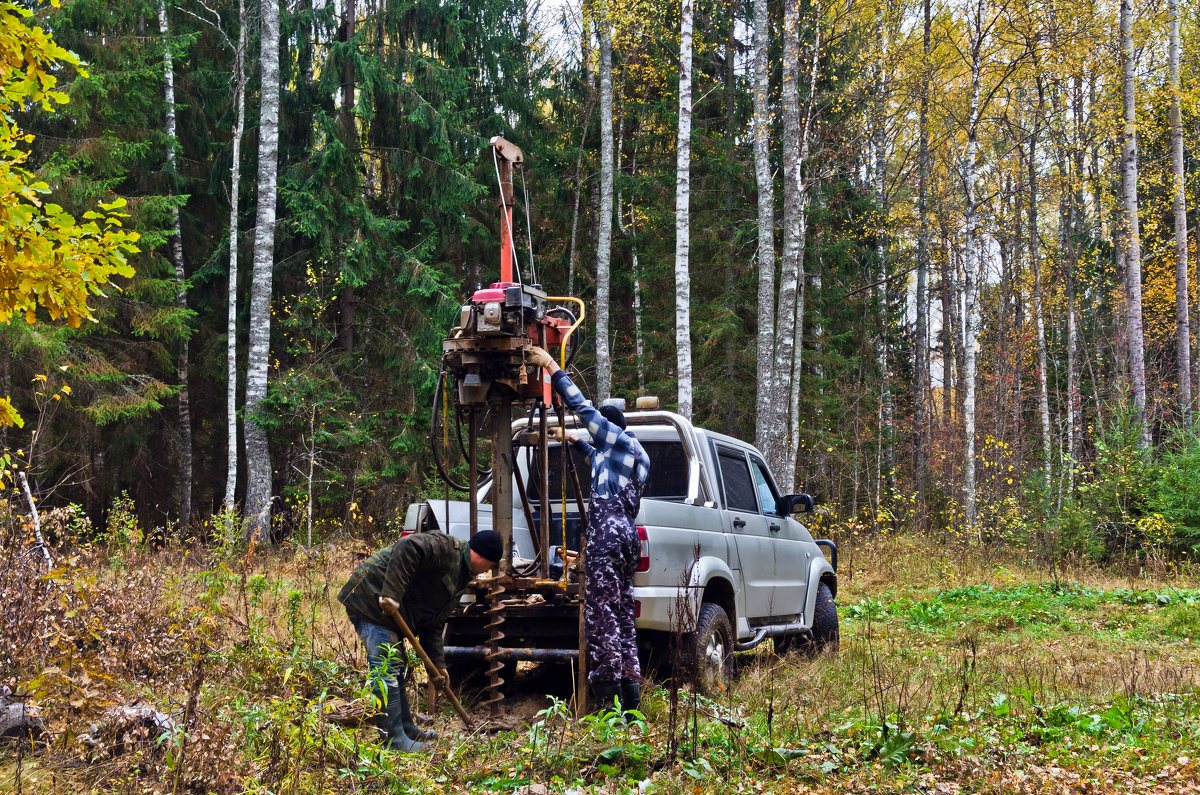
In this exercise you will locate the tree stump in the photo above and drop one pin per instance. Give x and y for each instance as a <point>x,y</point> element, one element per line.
<point>19,720</point>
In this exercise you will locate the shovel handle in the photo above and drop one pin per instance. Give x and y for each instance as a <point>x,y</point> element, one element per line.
<point>392,608</point>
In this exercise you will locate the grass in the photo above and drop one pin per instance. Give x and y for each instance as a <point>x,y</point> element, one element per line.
<point>961,669</point>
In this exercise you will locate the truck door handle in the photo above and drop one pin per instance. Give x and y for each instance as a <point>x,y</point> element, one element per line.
<point>774,528</point>
<point>739,523</point>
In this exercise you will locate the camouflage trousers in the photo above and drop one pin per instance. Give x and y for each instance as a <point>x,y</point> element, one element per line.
<point>610,561</point>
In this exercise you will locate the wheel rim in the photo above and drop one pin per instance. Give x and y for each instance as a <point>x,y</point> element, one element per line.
<point>714,662</point>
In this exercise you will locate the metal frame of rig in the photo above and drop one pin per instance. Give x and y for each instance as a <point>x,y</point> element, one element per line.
<point>485,369</point>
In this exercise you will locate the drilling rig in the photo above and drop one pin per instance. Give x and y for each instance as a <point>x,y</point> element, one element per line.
<point>485,374</point>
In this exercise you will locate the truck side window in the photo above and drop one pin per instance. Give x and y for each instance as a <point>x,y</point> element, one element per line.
<point>739,489</point>
<point>767,497</point>
<point>668,471</point>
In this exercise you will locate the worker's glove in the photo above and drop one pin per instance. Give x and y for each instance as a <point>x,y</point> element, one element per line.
<point>554,433</point>
<point>443,681</point>
<point>540,357</point>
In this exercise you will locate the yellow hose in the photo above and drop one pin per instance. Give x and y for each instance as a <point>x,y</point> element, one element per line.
<point>562,349</point>
<point>562,362</point>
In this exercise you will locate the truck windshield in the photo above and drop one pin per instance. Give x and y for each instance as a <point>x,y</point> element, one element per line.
<point>667,481</point>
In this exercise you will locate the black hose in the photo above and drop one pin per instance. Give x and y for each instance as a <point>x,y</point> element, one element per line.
<point>437,459</point>
<point>462,446</point>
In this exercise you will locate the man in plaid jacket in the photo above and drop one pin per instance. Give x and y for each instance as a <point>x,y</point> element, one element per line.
<point>619,470</point>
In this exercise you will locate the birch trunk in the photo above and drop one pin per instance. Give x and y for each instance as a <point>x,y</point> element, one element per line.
<point>789,482</point>
<point>970,271</point>
<point>789,269</point>
<point>1075,223</point>
<point>1038,310</point>
<point>630,232</point>
<point>1133,242</point>
<point>585,47</point>
<point>571,258</point>
<point>683,286</point>
<point>1073,399</point>
<point>181,362</point>
<point>258,454</point>
<point>1179,208</point>
<point>921,388</point>
<point>605,211</point>
<point>948,323</point>
<point>766,226</point>
<point>235,178</point>
<point>885,458</point>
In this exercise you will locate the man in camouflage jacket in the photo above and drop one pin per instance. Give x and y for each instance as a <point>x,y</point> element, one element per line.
<point>424,573</point>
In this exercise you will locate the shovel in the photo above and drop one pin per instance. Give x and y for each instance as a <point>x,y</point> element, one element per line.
<point>392,608</point>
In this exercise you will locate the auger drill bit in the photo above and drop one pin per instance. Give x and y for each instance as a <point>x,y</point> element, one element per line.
<point>495,621</point>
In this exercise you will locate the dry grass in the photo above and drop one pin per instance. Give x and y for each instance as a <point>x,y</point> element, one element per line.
<point>960,669</point>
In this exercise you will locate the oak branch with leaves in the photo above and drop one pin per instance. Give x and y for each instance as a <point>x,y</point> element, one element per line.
<point>48,259</point>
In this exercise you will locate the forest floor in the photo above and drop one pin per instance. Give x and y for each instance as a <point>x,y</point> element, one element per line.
<point>961,669</point>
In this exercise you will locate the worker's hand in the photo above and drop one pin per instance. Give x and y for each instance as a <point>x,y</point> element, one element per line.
<point>555,434</point>
<point>541,358</point>
<point>443,680</point>
<point>386,601</point>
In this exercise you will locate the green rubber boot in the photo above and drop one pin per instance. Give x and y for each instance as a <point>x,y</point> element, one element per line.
<point>604,694</point>
<point>631,697</point>
<point>390,721</point>
<point>411,729</point>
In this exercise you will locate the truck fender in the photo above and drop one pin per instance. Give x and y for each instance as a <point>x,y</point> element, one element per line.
<point>819,572</point>
<point>715,571</point>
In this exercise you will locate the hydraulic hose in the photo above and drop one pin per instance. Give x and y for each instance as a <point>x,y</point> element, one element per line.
<point>433,440</point>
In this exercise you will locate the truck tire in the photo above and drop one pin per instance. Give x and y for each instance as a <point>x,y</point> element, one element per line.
<point>712,657</point>
<point>824,635</point>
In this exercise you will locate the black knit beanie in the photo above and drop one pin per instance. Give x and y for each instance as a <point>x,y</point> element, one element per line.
<point>613,415</point>
<point>487,544</point>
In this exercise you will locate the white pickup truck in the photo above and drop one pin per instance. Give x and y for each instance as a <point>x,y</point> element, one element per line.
<point>724,563</point>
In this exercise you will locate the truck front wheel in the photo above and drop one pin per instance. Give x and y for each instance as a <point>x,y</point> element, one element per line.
<point>825,633</point>
<point>713,654</point>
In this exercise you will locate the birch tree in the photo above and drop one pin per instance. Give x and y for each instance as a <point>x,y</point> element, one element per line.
<point>766,226</point>
<point>802,180</point>
<point>604,217</point>
<point>1179,211</point>
<point>784,434</point>
<point>629,231</point>
<point>971,320</point>
<point>181,361</point>
<point>786,320</point>
<point>1038,309</point>
<point>683,288</point>
<point>921,360</point>
<point>258,454</point>
<point>731,101</point>
<point>884,461</point>
<point>235,178</point>
<point>1132,235</point>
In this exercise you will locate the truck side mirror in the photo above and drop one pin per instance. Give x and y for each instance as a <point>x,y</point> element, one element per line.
<point>795,503</point>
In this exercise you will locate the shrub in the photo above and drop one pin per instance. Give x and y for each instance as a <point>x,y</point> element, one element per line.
<point>1176,493</point>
